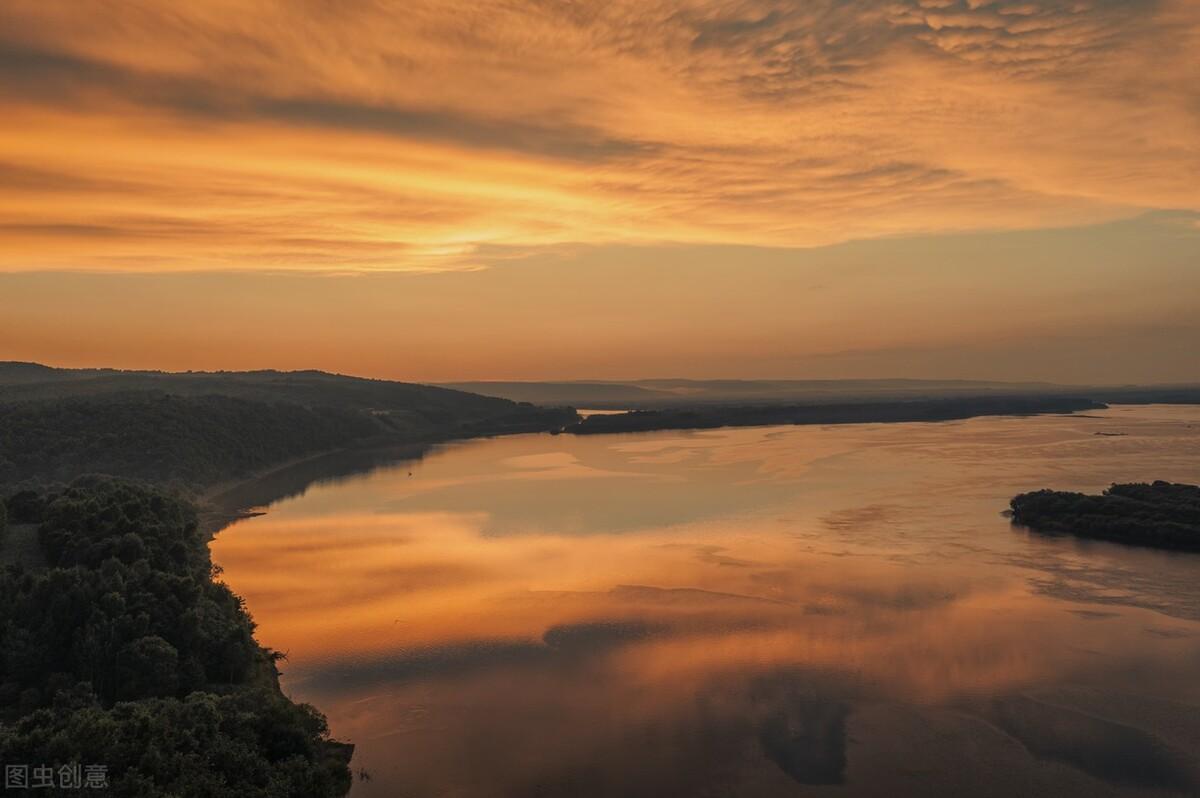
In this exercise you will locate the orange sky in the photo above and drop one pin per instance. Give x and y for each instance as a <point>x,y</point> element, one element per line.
<point>439,189</point>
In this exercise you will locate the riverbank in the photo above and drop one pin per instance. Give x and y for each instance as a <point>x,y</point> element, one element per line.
<point>226,502</point>
<point>512,591</point>
<point>708,417</point>
<point>126,650</point>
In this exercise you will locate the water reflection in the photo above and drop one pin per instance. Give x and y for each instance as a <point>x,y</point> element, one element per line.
<point>740,612</point>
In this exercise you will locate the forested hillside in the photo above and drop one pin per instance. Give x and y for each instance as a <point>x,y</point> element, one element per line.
<point>125,653</point>
<point>189,441</point>
<point>118,648</point>
<point>423,404</point>
<point>193,430</point>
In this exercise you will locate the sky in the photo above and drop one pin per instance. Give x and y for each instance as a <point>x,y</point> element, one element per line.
<point>445,190</point>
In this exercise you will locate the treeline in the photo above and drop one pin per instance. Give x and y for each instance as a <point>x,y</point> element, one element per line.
<point>1159,514</point>
<point>195,441</point>
<point>125,652</point>
<point>842,413</point>
<point>121,649</point>
<point>191,441</point>
<point>30,381</point>
<point>407,409</point>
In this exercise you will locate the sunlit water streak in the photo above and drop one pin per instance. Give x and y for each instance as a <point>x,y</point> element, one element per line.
<point>746,612</point>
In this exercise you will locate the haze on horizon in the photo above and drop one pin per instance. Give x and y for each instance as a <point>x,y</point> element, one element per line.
<point>440,190</point>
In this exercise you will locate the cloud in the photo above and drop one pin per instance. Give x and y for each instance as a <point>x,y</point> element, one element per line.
<point>369,135</point>
<point>1100,304</point>
<point>52,78</point>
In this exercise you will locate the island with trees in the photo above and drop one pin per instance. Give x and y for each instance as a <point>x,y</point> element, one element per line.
<point>1161,514</point>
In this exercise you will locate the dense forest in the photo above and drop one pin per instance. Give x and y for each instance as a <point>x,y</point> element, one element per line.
<point>424,403</point>
<point>194,430</point>
<point>1160,514</point>
<point>119,647</point>
<point>125,651</point>
<point>189,441</point>
<point>708,417</point>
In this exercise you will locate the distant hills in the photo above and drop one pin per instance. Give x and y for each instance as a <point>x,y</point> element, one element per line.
<point>676,393</point>
<point>477,399</point>
<point>310,388</point>
<point>195,429</point>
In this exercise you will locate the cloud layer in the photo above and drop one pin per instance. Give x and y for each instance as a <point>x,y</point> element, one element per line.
<point>375,136</point>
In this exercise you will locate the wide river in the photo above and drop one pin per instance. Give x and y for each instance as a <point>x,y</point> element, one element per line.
<point>779,611</point>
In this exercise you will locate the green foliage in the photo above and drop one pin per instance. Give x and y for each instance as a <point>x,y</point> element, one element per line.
<point>249,743</point>
<point>193,441</point>
<point>98,518</point>
<point>130,568</point>
<point>126,652</point>
<point>1160,514</point>
<point>196,441</point>
<point>29,381</point>
<point>26,507</point>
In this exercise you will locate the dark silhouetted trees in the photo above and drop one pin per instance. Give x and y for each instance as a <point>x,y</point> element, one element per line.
<point>711,416</point>
<point>1159,514</point>
<point>126,652</point>
<point>196,441</point>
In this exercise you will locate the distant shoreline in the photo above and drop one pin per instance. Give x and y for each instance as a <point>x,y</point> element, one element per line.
<point>220,508</point>
<point>227,502</point>
<point>927,410</point>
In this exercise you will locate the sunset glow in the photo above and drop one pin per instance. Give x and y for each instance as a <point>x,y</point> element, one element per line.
<point>551,144</point>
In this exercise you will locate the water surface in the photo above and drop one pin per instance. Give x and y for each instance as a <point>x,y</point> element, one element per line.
<point>742,612</point>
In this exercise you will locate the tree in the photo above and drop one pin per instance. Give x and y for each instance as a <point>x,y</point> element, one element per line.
<point>148,667</point>
<point>126,651</point>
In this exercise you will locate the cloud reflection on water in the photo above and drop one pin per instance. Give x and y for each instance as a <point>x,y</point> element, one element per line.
<point>744,612</point>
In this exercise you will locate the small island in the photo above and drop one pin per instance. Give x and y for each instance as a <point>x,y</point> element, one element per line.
<point>1163,515</point>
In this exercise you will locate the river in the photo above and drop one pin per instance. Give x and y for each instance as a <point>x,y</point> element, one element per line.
<point>777,611</point>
